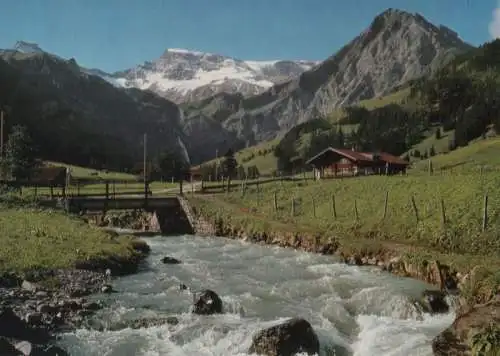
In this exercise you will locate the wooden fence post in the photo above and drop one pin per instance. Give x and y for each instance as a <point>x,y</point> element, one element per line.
<point>356,214</point>
<point>293,206</point>
<point>106,197</point>
<point>443,213</point>
<point>275,202</point>
<point>415,208</point>
<point>314,207</point>
<point>485,212</point>
<point>334,208</point>
<point>385,204</point>
<point>146,191</point>
<point>51,192</point>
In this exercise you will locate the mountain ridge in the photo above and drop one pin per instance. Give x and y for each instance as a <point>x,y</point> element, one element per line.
<point>183,75</point>
<point>395,48</point>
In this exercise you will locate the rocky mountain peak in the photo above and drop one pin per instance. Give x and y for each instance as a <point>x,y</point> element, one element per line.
<point>394,21</point>
<point>27,47</point>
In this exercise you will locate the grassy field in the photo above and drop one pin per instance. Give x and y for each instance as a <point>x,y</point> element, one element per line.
<point>462,196</point>
<point>36,238</point>
<point>441,145</point>
<point>481,155</point>
<point>89,173</point>
<point>261,155</point>
<point>398,97</point>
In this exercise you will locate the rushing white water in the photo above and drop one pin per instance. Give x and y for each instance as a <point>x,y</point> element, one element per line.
<point>355,311</point>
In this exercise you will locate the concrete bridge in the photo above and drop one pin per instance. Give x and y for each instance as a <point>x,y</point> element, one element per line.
<point>77,204</point>
<point>166,215</point>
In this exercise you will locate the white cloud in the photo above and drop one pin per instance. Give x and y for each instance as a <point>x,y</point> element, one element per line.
<point>494,26</point>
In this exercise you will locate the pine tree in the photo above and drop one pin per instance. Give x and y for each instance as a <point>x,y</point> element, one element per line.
<point>20,156</point>
<point>438,133</point>
<point>341,137</point>
<point>229,166</point>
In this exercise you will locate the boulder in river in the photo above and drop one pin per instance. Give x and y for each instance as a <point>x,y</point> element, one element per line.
<point>434,301</point>
<point>170,260</point>
<point>12,326</point>
<point>26,348</point>
<point>9,280</point>
<point>207,303</point>
<point>287,339</point>
<point>6,348</point>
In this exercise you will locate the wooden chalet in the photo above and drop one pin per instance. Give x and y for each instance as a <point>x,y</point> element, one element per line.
<point>48,177</point>
<point>195,173</point>
<point>334,162</point>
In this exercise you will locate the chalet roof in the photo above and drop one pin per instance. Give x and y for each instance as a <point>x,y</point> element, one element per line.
<point>387,157</point>
<point>360,156</point>
<point>195,169</point>
<point>350,154</point>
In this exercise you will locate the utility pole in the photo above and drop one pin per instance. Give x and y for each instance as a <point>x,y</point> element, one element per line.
<point>1,133</point>
<point>2,166</point>
<point>145,142</point>
<point>145,152</point>
<point>216,164</point>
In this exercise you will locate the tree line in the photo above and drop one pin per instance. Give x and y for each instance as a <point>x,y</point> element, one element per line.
<point>19,159</point>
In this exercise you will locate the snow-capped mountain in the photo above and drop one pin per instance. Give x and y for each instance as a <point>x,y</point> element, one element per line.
<point>183,75</point>
<point>27,47</point>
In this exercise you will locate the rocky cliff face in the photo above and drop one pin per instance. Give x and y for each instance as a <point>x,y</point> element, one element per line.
<point>396,47</point>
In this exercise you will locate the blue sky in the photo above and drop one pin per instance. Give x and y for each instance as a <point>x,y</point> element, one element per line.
<point>118,34</point>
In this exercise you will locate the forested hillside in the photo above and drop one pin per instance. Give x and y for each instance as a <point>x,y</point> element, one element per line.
<point>81,119</point>
<point>461,100</point>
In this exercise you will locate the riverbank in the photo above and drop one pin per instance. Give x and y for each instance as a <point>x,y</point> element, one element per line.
<point>475,277</point>
<point>49,263</point>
